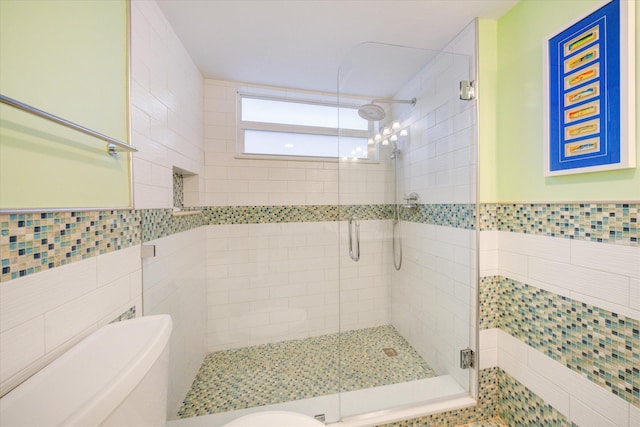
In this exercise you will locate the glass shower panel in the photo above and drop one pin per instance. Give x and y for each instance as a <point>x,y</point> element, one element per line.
<point>406,301</point>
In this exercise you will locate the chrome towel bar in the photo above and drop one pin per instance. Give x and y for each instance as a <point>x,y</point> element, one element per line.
<point>112,144</point>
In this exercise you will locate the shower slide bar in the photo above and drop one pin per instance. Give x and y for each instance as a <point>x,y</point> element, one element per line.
<point>112,144</point>
<point>354,254</point>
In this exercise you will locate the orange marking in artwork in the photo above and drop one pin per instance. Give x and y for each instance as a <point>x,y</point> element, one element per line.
<point>582,112</point>
<point>582,129</point>
<point>583,76</point>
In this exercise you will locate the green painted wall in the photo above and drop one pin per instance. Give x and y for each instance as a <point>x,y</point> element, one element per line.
<point>487,98</point>
<point>68,58</point>
<point>517,174</point>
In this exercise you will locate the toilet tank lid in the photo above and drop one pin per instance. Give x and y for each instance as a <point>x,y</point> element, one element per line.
<point>85,384</point>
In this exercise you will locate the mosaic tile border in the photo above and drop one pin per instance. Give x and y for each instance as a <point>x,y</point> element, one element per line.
<point>490,301</point>
<point>365,212</point>
<point>597,222</point>
<point>158,223</point>
<point>178,190</point>
<point>219,215</point>
<point>519,406</point>
<point>457,215</point>
<point>127,315</point>
<point>33,242</point>
<point>601,345</point>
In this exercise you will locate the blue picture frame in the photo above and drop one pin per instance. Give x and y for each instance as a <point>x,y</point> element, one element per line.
<point>587,65</point>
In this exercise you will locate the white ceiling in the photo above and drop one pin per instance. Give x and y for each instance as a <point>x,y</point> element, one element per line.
<point>301,43</point>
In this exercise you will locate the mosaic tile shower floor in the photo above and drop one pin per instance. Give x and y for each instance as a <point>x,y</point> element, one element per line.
<point>273,373</point>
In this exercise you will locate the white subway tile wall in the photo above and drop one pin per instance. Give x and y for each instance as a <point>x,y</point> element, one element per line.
<point>431,294</point>
<point>601,274</point>
<point>271,282</point>
<point>167,113</point>
<point>579,399</point>
<point>175,283</point>
<point>46,313</point>
<point>572,268</point>
<point>166,109</point>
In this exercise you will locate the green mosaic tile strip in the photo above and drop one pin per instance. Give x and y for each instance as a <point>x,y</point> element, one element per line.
<point>486,409</point>
<point>598,344</point>
<point>127,315</point>
<point>34,242</point>
<point>178,190</point>
<point>366,212</point>
<point>449,215</point>
<point>488,218</point>
<point>269,214</point>
<point>519,406</point>
<point>597,222</point>
<point>158,223</point>
<point>298,369</point>
<point>490,301</point>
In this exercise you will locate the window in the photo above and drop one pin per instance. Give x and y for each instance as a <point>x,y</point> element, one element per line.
<point>289,127</point>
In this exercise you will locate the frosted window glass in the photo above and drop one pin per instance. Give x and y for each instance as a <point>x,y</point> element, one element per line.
<point>301,114</point>
<point>302,144</point>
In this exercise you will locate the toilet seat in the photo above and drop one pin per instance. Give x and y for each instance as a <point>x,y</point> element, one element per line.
<point>275,419</point>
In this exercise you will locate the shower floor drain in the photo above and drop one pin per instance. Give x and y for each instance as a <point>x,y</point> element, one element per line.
<point>390,352</point>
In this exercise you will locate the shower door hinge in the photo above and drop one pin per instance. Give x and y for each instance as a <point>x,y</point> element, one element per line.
<point>467,90</point>
<point>467,357</point>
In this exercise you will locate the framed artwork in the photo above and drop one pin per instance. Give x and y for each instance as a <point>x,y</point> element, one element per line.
<point>589,70</point>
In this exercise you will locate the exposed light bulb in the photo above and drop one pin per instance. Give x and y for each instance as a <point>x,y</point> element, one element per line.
<point>395,125</point>
<point>404,132</point>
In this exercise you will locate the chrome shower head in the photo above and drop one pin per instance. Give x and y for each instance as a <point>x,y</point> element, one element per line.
<point>371,112</point>
<point>375,113</point>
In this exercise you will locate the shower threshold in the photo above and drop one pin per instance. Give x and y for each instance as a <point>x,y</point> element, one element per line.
<point>361,408</point>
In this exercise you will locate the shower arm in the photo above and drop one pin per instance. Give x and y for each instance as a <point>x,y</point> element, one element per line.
<point>411,101</point>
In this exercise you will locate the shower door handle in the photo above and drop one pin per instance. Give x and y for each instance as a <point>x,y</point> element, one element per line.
<point>354,253</point>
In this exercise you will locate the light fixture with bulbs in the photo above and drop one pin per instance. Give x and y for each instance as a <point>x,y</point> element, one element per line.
<point>389,134</point>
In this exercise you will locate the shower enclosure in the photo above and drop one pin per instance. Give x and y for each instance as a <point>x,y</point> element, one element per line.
<point>343,311</point>
<point>414,201</point>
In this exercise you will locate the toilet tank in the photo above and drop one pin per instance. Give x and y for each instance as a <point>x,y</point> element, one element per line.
<point>117,376</point>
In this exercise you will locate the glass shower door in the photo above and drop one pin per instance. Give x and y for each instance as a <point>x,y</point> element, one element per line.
<point>407,252</point>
